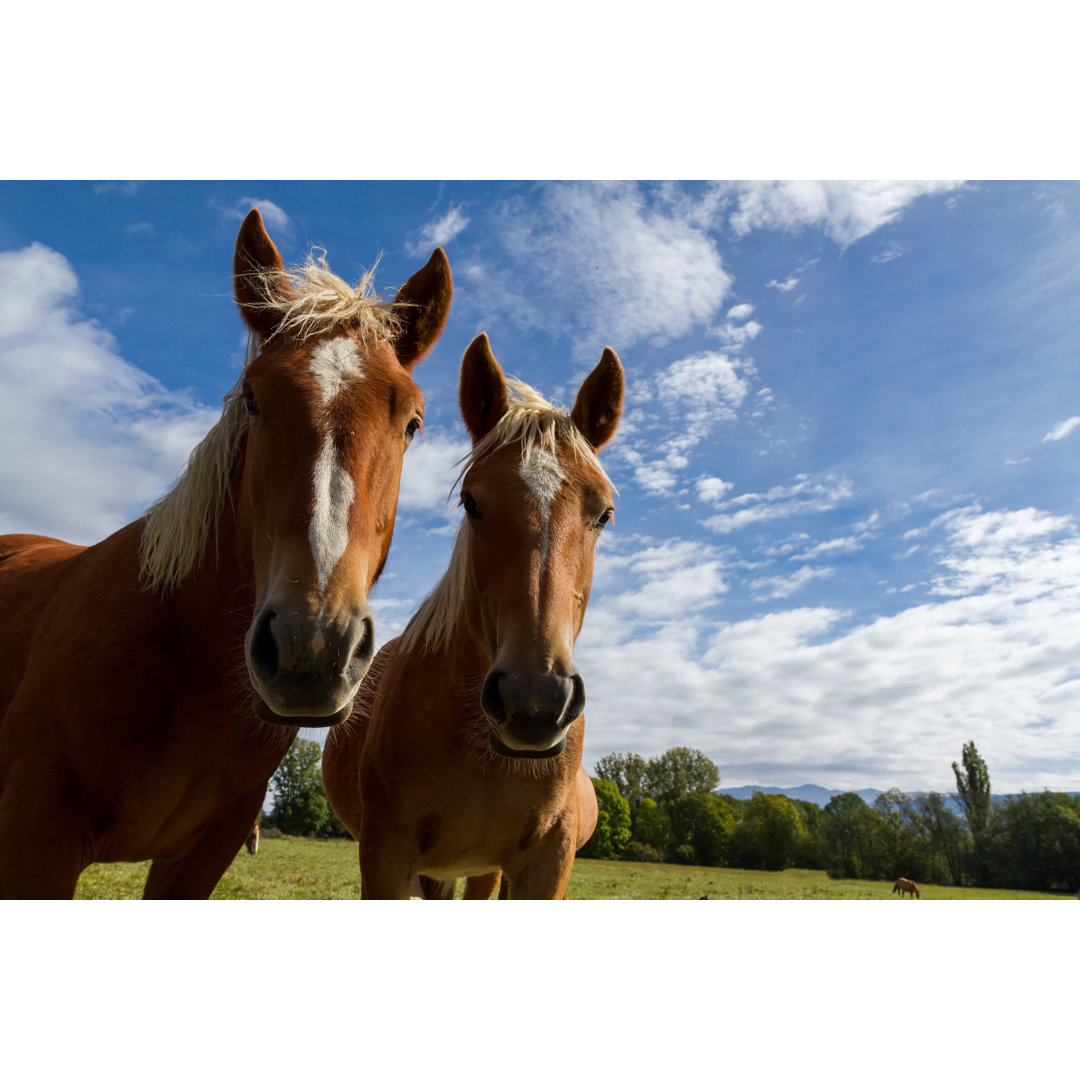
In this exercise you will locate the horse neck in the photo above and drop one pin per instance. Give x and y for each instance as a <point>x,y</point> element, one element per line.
<point>220,591</point>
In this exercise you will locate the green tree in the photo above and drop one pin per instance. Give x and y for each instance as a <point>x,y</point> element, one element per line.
<point>945,837</point>
<point>973,789</point>
<point>703,824</point>
<point>651,825</point>
<point>769,834</point>
<point>679,773</point>
<point>626,772</point>
<point>612,832</point>
<point>300,803</point>
<point>1033,842</point>
<point>900,835</point>
<point>849,843</point>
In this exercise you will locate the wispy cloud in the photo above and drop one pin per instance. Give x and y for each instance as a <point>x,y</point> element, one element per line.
<point>1062,430</point>
<point>780,588</point>
<point>616,267</point>
<point>437,233</point>
<point>845,211</point>
<point>783,286</point>
<point>803,496</point>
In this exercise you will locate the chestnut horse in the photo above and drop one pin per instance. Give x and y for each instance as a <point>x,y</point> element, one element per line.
<point>462,757</point>
<point>252,842</point>
<point>906,886</point>
<point>150,684</point>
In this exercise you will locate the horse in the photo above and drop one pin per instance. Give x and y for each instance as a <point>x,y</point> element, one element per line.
<point>252,842</point>
<point>462,757</point>
<point>150,684</point>
<point>906,885</point>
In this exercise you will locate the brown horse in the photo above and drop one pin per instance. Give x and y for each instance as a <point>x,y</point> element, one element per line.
<point>252,842</point>
<point>906,886</point>
<point>151,683</point>
<point>463,754</point>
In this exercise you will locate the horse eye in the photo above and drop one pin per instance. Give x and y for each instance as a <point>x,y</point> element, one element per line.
<point>412,429</point>
<point>250,404</point>
<point>469,505</point>
<point>605,517</point>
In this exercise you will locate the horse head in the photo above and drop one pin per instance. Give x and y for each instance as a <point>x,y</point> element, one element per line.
<point>330,409</point>
<point>536,500</point>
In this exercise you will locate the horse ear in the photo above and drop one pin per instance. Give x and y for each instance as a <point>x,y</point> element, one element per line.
<point>258,275</point>
<point>599,402</point>
<point>482,393</point>
<point>423,303</point>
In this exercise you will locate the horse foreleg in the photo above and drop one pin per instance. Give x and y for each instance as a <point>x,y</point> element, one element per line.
<point>544,872</point>
<point>481,888</point>
<point>385,872</point>
<point>41,844</point>
<point>193,875</point>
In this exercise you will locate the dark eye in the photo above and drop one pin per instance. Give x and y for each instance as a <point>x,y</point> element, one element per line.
<point>469,505</point>
<point>250,404</point>
<point>604,518</point>
<point>412,429</point>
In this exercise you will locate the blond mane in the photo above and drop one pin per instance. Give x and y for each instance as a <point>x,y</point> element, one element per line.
<point>538,426</point>
<point>179,526</point>
<point>317,301</point>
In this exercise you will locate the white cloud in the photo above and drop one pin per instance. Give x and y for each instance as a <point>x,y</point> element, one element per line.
<point>741,311</point>
<point>783,286</point>
<point>437,233</point>
<point>844,210</point>
<point>712,489</point>
<point>1062,430</point>
<point>734,336</point>
<point>804,696</point>
<point>617,268</point>
<point>428,474</point>
<point>273,215</point>
<point>87,440</point>
<point>780,588</point>
<point>804,496</point>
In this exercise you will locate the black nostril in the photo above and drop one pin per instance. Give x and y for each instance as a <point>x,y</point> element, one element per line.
<point>491,698</point>
<point>577,699</point>
<point>365,650</point>
<point>265,658</point>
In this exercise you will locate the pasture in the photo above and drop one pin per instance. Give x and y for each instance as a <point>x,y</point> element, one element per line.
<point>293,868</point>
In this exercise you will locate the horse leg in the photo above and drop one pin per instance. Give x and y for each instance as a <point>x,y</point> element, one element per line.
<point>42,835</point>
<point>545,873</point>
<point>385,873</point>
<point>481,888</point>
<point>193,875</point>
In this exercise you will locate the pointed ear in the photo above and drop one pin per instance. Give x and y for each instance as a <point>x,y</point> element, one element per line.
<point>482,394</point>
<point>599,402</point>
<point>257,270</point>
<point>423,304</point>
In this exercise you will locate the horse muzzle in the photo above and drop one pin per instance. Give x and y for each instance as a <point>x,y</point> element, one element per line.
<point>530,715</point>
<point>305,671</point>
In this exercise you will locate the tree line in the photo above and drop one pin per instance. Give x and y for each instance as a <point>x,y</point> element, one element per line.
<point>666,809</point>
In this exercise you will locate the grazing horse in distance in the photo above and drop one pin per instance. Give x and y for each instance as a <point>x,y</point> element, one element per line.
<point>252,842</point>
<point>906,886</point>
<point>150,684</point>
<point>462,757</point>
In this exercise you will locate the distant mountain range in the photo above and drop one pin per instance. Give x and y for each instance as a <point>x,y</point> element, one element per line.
<point>816,794</point>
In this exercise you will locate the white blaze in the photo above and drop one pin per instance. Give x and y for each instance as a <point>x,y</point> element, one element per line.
<point>334,363</point>
<point>329,530</point>
<point>543,476</point>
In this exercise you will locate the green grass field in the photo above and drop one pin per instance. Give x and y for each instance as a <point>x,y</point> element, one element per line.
<point>291,868</point>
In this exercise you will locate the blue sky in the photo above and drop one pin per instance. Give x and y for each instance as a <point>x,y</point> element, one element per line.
<point>845,539</point>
